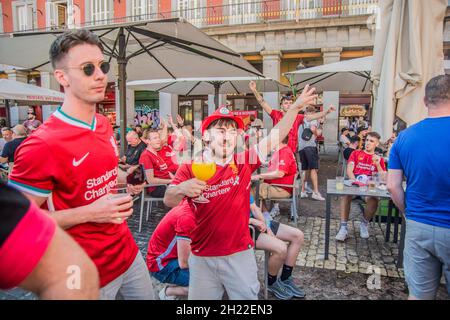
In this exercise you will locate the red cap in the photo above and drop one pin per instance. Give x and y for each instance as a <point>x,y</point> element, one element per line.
<point>222,113</point>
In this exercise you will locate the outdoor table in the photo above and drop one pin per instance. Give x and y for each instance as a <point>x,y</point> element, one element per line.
<point>356,191</point>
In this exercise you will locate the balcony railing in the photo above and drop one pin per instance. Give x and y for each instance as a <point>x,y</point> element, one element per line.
<point>263,11</point>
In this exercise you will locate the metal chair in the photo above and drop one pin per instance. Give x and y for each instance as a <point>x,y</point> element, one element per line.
<point>149,201</point>
<point>266,261</point>
<point>294,199</point>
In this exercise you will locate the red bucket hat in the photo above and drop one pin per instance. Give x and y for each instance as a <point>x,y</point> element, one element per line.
<point>222,113</point>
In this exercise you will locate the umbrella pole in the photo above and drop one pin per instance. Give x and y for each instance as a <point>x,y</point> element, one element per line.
<point>8,113</point>
<point>122,66</point>
<point>216,93</point>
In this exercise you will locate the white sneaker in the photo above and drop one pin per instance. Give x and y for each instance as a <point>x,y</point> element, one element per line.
<point>342,234</point>
<point>364,230</point>
<point>163,296</point>
<point>317,196</point>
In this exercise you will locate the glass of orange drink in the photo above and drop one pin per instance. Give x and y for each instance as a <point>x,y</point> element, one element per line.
<point>203,171</point>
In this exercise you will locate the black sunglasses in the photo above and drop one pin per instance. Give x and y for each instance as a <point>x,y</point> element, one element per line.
<point>89,68</point>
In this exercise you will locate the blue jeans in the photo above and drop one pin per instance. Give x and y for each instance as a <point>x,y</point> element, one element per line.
<point>426,258</point>
<point>173,274</point>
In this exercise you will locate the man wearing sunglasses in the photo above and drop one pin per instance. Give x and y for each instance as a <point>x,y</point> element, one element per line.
<point>32,123</point>
<point>71,163</point>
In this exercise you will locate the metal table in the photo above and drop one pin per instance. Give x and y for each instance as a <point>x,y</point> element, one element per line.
<point>355,191</point>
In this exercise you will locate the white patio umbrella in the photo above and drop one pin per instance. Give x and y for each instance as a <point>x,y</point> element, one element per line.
<point>345,76</point>
<point>202,86</point>
<point>408,52</point>
<point>140,50</point>
<point>27,94</point>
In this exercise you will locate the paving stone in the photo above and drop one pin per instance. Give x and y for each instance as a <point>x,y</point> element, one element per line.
<point>340,266</point>
<point>329,264</point>
<point>318,264</point>
<point>392,273</point>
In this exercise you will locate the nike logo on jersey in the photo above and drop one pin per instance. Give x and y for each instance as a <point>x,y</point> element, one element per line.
<point>77,163</point>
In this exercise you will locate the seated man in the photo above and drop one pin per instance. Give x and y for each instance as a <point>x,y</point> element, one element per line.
<point>19,134</point>
<point>282,170</point>
<point>354,142</point>
<point>169,249</point>
<point>156,169</point>
<point>134,150</point>
<point>362,165</point>
<point>344,137</point>
<point>271,236</point>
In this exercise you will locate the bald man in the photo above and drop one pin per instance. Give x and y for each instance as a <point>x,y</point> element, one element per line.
<point>19,134</point>
<point>134,149</point>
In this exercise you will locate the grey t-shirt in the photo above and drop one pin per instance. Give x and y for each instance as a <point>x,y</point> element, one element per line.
<point>302,144</point>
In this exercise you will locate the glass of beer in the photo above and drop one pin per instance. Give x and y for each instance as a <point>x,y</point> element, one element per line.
<point>339,183</point>
<point>372,184</point>
<point>116,193</point>
<point>203,171</point>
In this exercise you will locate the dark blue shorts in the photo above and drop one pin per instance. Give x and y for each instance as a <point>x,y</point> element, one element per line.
<point>173,274</point>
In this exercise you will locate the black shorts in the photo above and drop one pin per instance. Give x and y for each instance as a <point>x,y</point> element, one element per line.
<point>274,226</point>
<point>309,157</point>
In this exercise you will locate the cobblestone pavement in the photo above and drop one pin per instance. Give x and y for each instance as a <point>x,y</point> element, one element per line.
<point>345,275</point>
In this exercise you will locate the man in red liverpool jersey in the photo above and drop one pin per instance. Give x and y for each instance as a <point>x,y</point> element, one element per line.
<point>361,165</point>
<point>70,165</point>
<point>222,257</point>
<point>156,169</point>
<point>169,249</point>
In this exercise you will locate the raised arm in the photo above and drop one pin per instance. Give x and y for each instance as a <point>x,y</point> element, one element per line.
<point>319,115</point>
<point>281,130</point>
<point>267,108</point>
<point>163,135</point>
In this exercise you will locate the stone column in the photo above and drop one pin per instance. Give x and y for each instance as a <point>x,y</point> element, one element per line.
<point>168,105</point>
<point>330,129</point>
<point>129,104</point>
<point>271,69</point>
<point>331,126</point>
<point>331,55</point>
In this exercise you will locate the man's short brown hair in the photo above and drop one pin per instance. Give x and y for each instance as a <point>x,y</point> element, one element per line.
<point>146,133</point>
<point>437,90</point>
<point>374,134</point>
<point>64,42</point>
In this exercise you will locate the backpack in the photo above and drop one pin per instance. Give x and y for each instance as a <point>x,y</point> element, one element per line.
<point>307,133</point>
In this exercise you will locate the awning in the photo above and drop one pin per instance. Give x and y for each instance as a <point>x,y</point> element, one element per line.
<point>29,94</point>
<point>345,76</point>
<point>203,86</point>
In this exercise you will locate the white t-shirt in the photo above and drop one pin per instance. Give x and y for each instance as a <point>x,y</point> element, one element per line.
<point>302,144</point>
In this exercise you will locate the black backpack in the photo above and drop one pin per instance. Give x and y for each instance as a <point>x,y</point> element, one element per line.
<point>307,133</point>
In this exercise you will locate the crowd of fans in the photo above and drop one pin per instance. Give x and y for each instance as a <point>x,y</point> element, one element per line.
<point>199,250</point>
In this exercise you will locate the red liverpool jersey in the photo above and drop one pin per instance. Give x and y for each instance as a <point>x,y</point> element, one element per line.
<point>72,164</point>
<point>222,224</point>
